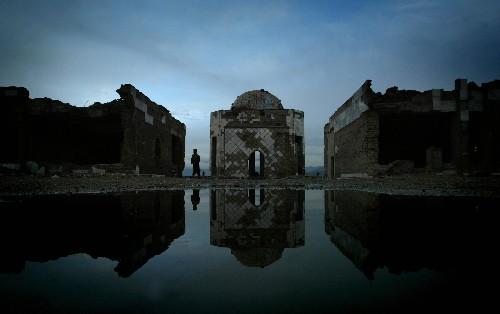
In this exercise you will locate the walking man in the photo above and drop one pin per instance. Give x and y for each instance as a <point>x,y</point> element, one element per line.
<point>195,161</point>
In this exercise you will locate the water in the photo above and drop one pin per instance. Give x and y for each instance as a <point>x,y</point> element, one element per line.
<point>202,251</point>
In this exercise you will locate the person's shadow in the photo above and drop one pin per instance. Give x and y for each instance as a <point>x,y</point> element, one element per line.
<point>195,198</point>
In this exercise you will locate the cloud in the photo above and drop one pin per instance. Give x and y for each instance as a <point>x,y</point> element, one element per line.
<point>196,57</point>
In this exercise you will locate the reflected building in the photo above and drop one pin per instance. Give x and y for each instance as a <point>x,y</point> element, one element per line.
<point>130,228</point>
<point>257,225</point>
<point>408,233</point>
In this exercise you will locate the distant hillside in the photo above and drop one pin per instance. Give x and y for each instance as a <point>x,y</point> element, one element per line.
<point>188,171</point>
<point>315,170</point>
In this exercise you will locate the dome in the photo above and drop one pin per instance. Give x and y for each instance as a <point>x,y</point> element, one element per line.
<point>257,257</point>
<point>257,99</point>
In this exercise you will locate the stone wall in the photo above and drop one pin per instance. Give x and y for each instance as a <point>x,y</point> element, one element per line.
<point>407,131</point>
<point>154,140</point>
<point>127,132</point>
<point>276,133</point>
<point>356,147</point>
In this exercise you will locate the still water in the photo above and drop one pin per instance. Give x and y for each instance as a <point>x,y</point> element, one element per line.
<point>255,251</point>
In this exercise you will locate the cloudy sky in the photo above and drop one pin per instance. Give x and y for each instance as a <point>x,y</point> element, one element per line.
<point>195,57</point>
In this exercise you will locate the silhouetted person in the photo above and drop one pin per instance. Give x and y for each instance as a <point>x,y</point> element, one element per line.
<point>195,198</point>
<point>195,161</point>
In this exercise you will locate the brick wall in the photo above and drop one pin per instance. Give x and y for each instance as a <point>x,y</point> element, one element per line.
<point>356,146</point>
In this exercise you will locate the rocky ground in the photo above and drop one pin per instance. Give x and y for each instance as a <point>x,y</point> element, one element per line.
<point>405,185</point>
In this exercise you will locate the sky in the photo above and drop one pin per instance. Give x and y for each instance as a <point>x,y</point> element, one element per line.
<point>195,57</point>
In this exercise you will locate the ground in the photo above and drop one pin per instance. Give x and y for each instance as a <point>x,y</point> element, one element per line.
<point>404,185</point>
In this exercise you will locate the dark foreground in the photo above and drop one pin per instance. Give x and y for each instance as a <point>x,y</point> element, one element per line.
<point>406,185</point>
<point>248,251</point>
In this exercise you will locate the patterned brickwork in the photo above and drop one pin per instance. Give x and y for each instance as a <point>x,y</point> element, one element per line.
<point>254,124</point>
<point>241,143</point>
<point>239,213</point>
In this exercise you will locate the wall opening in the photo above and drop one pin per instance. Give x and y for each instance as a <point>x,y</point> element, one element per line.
<point>177,206</point>
<point>332,167</point>
<point>157,151</point>
<point>177,150</point>
<point>300,208</point>
<point>300,154</point>
<point>256,164</point>
<point>410,136</point>
<point>84,140</point>
<point>213,156</point>
<point>256,196</point>
<point>213,205</point>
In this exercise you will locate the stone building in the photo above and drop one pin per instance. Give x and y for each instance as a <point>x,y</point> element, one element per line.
<point>257,225</point>
<point>406,131</point>
<point>257,137</point>
<point>128,133</point>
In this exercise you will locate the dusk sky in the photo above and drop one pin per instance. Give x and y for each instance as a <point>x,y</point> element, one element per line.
<point>194,57</point>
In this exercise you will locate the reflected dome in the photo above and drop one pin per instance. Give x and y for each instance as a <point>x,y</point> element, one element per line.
<point>257,257</point>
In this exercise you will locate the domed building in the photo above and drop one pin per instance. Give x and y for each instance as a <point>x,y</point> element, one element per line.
<point>257,225</point>
<point>257,137</point>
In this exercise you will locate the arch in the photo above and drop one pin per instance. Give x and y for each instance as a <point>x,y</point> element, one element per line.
<point>157,149</point>
<point>256,196</point>
<point>256,164</point>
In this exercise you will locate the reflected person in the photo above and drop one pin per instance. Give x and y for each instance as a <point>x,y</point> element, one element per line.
<point>195,198</point>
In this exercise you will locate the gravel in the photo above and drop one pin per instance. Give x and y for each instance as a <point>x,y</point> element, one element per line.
<point>401,185</point>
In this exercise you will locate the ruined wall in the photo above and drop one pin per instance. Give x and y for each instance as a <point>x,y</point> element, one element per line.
<point>154,140</point>
<point>351,136</point>
<point>356,147</point>
<point>277,134</point>
<point>125,132</point>
<point>51,132</point>
<point>407,131</point>
<point>257,224</point>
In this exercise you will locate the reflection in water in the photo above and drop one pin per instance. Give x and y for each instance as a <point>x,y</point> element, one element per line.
<point>257,225</point>
<point>195,198</point>
<point>129,228</point>
<point>405,233</point>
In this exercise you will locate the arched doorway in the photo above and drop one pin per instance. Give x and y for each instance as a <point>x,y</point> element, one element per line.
<point>157,152</point>
<point>256,196</point>
<point>256,164</point>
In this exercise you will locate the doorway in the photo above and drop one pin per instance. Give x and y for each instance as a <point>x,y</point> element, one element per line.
<point>256,164</point>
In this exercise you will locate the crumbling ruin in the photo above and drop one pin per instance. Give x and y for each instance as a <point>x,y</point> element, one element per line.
<point>257,225</point>
<point>257,138</point>
<point>406,131</point>
<point>132,133</point>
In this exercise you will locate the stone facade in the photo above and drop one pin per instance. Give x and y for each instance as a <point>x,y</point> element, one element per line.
<point>129,133</point>
<point>406,131</point>
<point>257,124</point>
<point>257,225</point>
